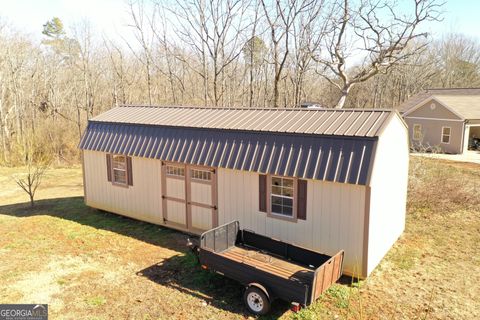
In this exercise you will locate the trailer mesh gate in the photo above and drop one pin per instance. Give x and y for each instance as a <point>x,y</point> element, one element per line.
<point>220,238</point>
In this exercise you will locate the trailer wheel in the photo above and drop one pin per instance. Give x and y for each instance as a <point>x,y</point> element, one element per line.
<point>256,301</point>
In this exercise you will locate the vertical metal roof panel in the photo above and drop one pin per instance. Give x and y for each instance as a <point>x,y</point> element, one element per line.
<point>352,122</point>
<point>363,130</point>
<point>330,158</point>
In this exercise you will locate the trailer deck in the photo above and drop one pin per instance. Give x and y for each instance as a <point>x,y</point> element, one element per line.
<point>269,263</point>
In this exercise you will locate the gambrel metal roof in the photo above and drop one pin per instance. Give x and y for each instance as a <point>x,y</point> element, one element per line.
<point>343,122</point>
<point>287,145</point>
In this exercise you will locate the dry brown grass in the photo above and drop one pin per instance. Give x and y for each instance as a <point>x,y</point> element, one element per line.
<point>92,265</point>
<point>441,186</point>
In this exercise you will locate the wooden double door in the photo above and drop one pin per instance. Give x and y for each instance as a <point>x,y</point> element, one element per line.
<point>189,197</point>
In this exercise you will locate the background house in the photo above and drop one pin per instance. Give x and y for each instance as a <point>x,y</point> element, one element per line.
<point>320,178</point>
<point>447,119</point>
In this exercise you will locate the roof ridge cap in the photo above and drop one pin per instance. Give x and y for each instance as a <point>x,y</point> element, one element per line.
<point>258,108</point>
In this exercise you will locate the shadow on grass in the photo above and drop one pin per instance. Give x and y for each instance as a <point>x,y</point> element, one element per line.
<point>180,272</point>
<point>74,209</point>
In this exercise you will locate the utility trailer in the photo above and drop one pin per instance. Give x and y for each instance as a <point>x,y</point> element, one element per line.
<point>269,269</point>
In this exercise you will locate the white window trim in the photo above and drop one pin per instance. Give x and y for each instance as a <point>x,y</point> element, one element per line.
<point>113,171</point>
<point>173,175</point>
<point>206,171</point>
<point>449,135</point>
<point>414,131</point>
<point>293,217</point>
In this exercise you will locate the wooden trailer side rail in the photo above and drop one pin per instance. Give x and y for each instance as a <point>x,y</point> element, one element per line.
<point>327,274</point>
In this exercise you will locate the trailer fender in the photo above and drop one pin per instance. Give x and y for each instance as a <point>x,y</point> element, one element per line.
<point>261,287</point>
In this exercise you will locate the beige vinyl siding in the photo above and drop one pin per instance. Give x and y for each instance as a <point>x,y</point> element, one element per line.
<point>388,194</point>
<point>439,111</point>
<point>335,215</point>
<point>432,134</point>
<point>141,201</point>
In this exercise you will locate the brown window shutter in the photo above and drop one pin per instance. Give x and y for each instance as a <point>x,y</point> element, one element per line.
<point>129,171</point>
<point>262,194</point>
<point>109,167</point>
<point>302,200</point>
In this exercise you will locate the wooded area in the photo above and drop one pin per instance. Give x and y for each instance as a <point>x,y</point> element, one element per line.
<point>229,53</point>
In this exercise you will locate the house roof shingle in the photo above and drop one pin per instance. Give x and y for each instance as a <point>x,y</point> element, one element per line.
<point>464,101</point>
<point>466,106</point>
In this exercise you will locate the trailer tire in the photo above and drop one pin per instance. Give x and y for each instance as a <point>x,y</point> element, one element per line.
<point>256,301</point>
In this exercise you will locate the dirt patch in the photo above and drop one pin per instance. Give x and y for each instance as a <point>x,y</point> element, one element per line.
<point>46,283</point>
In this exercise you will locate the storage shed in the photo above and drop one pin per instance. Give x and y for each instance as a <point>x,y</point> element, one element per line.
<point>323,179</point>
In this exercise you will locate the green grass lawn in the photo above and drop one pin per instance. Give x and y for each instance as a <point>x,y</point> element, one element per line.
<point>89,264</point>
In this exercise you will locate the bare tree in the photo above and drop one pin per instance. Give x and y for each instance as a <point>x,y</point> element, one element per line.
<point>281,16</point>
<point>375,31</point>
<point>459,59</point>
<point>30,180</point>
<point>213,30</point>
<point>308,32</point>
<point>138,15</point>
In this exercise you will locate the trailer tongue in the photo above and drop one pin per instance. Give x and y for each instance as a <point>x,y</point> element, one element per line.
<point>270,269</point>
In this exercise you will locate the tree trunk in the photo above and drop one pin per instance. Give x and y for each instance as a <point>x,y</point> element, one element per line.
<point>275,88</point>
<point>343,96</point>
<point>3,136</point>
<point>251,93</point>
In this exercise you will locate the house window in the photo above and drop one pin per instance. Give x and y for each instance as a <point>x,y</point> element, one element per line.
<point>119,166</point>
<point>203,175</point>
<point>175,171</point>
<point>282,196</point>
<point>446,132</point>
<point>417,132</point>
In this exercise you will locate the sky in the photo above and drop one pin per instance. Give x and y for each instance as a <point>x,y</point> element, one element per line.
<point>110,17</point>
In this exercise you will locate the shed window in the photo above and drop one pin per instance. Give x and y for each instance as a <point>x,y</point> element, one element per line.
<point>282,196</point>
<point>417,132</point>
<point>119,166</point>
<point>175,171</point>
<point>446,132</point>
<point>203,175</point>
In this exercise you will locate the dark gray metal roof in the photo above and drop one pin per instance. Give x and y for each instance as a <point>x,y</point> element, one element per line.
<point>343,122</point>
<point>322,157</point>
